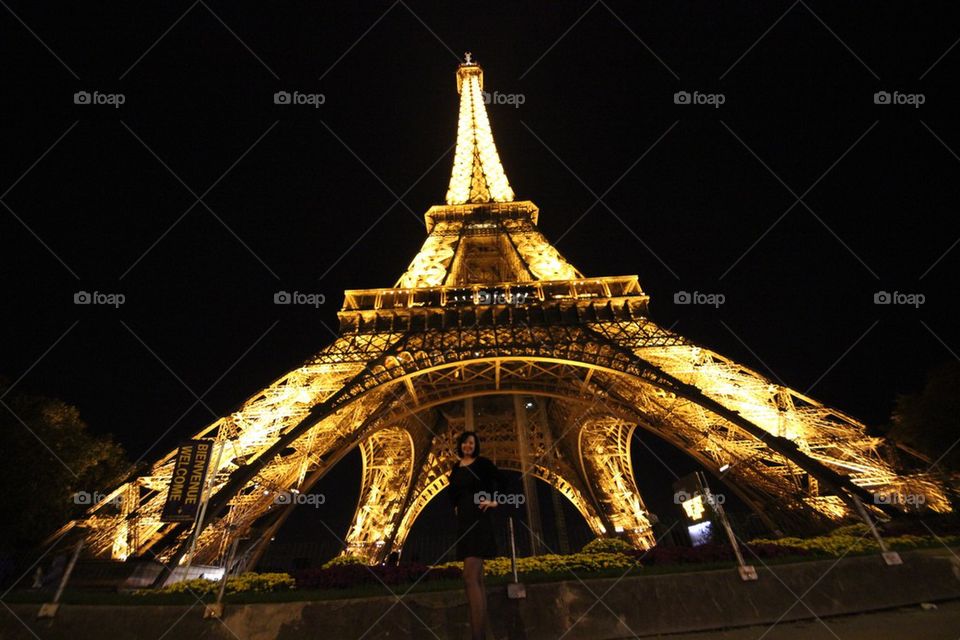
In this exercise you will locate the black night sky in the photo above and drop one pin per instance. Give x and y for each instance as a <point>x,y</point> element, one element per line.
<point>797,199</point>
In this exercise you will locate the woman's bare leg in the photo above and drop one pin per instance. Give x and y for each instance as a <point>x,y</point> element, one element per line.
<point>477,599</point>
<point>483,597</point>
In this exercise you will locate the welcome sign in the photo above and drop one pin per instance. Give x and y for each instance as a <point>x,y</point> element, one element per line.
<point>186,485</point>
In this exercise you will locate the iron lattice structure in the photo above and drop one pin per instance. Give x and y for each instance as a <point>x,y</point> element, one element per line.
<point>489,309</point>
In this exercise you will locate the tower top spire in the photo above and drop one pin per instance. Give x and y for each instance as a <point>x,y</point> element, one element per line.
<point>477,174</point>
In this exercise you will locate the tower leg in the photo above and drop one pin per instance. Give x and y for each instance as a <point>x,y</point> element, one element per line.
<point>388,457</point>
<point>605,454</point>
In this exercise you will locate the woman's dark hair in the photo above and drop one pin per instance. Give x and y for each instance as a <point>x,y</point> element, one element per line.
<point>463,438</point>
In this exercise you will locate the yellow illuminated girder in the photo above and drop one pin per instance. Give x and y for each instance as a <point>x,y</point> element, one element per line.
<point>134,527</point>
<point>405,384</point>
<point>429,268</point>
<point>605,455</point>
<point>524,253</point>
<point>387,473</point>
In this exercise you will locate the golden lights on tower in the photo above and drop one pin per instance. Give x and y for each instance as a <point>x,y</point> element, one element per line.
<point>431,341</point>
<point>477,175</point>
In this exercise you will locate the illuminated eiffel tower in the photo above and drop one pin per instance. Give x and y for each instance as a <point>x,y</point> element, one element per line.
<point>490,328</point>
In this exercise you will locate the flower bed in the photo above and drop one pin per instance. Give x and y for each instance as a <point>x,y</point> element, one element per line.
<point>855,539</point>
<point>598,556</point>
<point>243,583</point>
<point>556,563</point>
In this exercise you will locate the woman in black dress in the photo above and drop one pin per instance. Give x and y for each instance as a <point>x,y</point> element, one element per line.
<point>474,481</point>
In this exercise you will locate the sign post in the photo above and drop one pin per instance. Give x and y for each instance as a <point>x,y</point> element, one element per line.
<point>187,494</point>
<point>693,494</point>
<point>891,558</point>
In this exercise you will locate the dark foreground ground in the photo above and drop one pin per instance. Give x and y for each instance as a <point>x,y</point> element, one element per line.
<point>942,623</point>
<point>781,603</point>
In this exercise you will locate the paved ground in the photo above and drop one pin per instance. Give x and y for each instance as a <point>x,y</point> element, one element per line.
<point>942,623</point>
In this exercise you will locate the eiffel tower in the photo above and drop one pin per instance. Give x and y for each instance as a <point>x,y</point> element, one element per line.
<point>491,329</point>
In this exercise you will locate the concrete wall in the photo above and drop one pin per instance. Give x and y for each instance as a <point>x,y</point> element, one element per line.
<point>632,606</point>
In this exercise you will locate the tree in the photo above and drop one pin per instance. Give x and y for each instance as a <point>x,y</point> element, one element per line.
<point>929,420</point>
<point>53,467</point>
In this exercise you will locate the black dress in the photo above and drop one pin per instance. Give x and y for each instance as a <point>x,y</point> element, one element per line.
<point>475,527</point>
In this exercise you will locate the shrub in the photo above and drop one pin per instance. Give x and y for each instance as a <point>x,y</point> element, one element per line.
<point>562,565</point>
<point>855,539</point>
<point>607,545</point>
<point>858,529</point>
<point>251,581</point>
<point>344,560</point>
<point>245,582</point>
